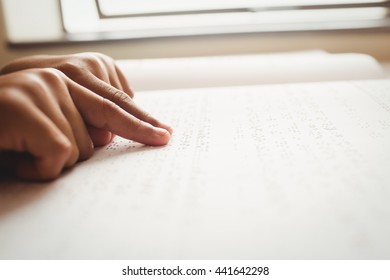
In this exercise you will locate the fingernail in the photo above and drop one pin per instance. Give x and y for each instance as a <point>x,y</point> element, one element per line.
<point>160,131</point>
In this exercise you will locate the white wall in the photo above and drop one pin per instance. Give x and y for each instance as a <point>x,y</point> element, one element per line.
<point>373,43</point>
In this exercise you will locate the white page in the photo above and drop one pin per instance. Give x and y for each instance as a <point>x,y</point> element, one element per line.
<point>195,72</point>
<point>275,172</point>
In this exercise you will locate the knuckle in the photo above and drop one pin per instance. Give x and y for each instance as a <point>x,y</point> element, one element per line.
<point>63,148</point>
<point>50,82</point>
<point>138,125</point>
<point>107,59</point>
<point>108,108</point>
<point>120,97</point>
<point>71,68</point>
<point>51,75</point>
<point>89,63</point>
<point>67,150</point>
<point>33,82</point>
<point>91,59</point>
<point>74,156</point>
<point>86,152</point>
<point>50,72</point>
<point>150,119</point>
<point>93,63</point>
<point>53,166</point>
<point>100,56</point>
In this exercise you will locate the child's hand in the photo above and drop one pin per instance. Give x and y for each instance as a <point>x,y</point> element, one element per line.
<point>44,117</point>
<point>99,74</point>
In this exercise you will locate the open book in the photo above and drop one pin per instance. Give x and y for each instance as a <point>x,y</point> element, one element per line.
<point>277,171</point>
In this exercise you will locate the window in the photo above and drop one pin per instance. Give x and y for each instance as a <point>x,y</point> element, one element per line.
<point>113,19</point>
<point>48,21</point>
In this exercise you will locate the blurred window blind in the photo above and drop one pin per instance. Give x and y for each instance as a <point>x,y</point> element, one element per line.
<point>110,19</point>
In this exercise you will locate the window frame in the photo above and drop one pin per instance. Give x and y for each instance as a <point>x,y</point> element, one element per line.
<point>96,25</point>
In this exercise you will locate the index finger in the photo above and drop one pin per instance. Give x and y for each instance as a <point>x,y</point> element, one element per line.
<point>102,113</point>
